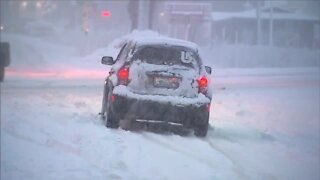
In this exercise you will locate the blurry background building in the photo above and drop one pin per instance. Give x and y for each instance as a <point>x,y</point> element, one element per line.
<point>208,23</point>
<point>289,28</point>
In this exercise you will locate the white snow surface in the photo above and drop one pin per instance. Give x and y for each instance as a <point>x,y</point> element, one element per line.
<point>51,130</point>
<point>264,124</point>
<point>165,40</point>
<point>151,37</point>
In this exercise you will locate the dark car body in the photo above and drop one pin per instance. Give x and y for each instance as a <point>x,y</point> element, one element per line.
<point>4,58</point>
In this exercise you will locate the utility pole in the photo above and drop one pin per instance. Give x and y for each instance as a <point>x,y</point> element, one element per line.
<point>271,25</point>
<point>143,20</point>
<point>258,23</point>
<point>140,14</point>
<point>85,20</point>
<point>152,4</point>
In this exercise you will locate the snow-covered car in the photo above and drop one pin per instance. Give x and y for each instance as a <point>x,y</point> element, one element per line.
<point>157,79</point>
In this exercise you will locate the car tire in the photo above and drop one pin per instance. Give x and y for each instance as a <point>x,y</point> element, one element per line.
<point>201,130</point>
<point>1,74</point>
<point>104,101</point>
<point>110,119</point>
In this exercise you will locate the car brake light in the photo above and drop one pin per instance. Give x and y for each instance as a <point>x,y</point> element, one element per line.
<point>203,81</point>
<point>203,84</point>
<point>113,98</point>
<point>123,75</point>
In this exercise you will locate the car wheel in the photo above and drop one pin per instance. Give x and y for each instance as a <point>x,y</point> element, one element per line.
<point>201,130</point>
<point>1,74</point>
<point>111,121</point>
<point>104,102</point>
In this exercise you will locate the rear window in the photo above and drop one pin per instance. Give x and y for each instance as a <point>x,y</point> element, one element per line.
<point>167,55</point>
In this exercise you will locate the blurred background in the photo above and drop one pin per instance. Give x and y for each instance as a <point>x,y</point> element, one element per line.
<point>243,33</point>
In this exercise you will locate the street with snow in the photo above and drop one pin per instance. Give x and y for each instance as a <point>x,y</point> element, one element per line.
<point>262,126</point>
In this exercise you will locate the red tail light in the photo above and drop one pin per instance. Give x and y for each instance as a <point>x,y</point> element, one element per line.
<point>203,84</point>
<point>113,98</point>
<point>203,81</point>
<point>123,73</point>
<point>123,76</point>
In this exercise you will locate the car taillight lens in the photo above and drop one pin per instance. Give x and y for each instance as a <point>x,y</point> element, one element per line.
<point>123,76</point>
<point>113,98</point>
<point>203,84</point>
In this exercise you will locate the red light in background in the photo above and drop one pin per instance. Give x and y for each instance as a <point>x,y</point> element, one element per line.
<point>106,13</point>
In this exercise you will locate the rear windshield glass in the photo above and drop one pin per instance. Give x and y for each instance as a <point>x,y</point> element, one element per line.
<point>167,55</point>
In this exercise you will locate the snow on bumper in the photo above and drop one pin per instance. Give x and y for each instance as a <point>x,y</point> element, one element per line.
<point>173,100</point>
<point>185,111</point>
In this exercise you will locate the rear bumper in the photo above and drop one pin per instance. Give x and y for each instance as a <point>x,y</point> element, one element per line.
<point>185,111</point>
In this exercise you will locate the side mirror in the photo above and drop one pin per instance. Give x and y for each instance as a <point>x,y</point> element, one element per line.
<point>107,60</point>
<point>208,69</point>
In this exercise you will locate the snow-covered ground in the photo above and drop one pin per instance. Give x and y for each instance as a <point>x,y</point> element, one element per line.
<point>264,124</point>
<point>51,130</point>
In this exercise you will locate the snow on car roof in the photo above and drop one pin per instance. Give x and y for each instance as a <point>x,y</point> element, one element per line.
<point>165,41</point>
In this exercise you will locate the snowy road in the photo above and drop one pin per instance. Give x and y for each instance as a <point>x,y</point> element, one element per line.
<point>51,130</point>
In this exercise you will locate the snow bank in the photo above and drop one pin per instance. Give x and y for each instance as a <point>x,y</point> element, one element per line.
<point>246,56</point>
<point>41,58</point>
<point>36,57</point>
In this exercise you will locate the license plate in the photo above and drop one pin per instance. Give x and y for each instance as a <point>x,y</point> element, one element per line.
<point>166,82</point>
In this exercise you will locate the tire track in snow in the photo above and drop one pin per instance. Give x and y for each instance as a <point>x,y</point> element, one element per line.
<point>191,154</point>
<point>238,169</point>
<point>253,135</point>
<point>118,164</point>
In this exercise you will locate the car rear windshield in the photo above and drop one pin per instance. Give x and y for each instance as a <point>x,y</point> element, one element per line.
<point>167,55</point>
